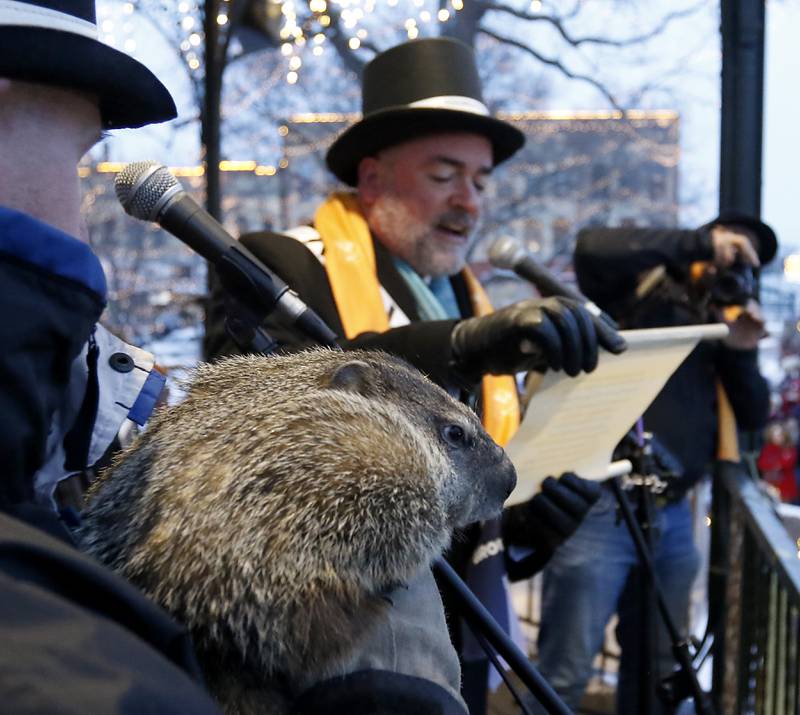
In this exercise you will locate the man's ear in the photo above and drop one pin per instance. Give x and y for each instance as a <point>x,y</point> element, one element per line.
<point>369,180</point>
<point>5,85</point>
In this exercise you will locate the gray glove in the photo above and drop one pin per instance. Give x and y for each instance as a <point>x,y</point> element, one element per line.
<point>546,334</point>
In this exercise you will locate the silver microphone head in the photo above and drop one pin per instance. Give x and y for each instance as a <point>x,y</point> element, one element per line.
<point>506,252</point>
<point>144,188</point>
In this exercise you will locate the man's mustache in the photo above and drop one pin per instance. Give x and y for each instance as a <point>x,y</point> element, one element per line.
<point>458,220</point>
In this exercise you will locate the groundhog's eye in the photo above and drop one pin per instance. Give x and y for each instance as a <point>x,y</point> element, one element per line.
<point>455,435</point>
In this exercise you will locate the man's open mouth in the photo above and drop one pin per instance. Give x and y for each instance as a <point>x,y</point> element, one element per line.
<point>459,230</point>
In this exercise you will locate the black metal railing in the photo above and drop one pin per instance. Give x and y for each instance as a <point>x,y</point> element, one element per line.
<point>754,601</point>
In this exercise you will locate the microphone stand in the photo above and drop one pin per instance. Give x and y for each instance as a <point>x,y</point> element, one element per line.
<point>243,326</point>
<point>481,621</point>
<point>686,683</point>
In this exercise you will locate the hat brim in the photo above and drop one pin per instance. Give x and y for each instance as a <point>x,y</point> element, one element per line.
<point>767,240</point>
<point>394,126</point>
<point>130,95</point>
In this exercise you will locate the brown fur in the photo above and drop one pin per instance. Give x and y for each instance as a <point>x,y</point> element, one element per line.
<point>271,509</point>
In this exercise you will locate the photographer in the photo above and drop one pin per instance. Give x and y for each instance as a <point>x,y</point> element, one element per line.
<point>649,278</point>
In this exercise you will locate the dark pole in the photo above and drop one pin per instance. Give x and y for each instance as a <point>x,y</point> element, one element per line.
<point>210,134</point>
<point>742,105</point>
<point>742,122</point>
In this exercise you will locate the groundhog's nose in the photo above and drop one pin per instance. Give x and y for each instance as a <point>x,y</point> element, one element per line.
<point>498,453</point>
<point>509,474</point>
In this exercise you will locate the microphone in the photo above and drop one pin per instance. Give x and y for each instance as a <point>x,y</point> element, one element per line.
<point>148,191</point>
<point>508,252</point>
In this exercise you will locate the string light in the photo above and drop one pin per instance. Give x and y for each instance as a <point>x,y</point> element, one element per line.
<point>307,19</point>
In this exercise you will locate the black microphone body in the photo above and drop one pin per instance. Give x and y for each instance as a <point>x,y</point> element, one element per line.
<point>547,282</point>
<point>240,272</point>
<point>507,252</point>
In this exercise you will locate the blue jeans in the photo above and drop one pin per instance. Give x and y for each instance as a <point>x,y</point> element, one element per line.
<point>587,580</point>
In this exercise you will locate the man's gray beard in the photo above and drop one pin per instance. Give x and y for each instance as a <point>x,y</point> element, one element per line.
<point>411,240</point>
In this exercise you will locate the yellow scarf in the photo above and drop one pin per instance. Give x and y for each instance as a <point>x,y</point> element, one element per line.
<point>352,272</point>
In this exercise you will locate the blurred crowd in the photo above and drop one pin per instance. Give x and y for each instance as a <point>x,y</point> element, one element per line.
<point>777,459</point>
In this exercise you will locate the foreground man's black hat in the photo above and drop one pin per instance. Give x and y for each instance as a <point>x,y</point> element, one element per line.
<point>54,42</point>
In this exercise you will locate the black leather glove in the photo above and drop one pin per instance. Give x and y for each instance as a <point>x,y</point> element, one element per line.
<point>546,334</point>
<point>546,520</point>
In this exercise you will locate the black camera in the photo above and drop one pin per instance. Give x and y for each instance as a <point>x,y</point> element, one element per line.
<point>735,285</point>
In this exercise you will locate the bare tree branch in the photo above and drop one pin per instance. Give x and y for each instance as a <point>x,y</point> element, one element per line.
<point>463,24</point>
<point>174,45</point>
<point>557,64</point>
<point>340,41</point>
<point>558,24</point>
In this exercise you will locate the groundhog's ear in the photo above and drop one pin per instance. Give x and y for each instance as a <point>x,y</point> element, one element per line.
<point>354,376</point>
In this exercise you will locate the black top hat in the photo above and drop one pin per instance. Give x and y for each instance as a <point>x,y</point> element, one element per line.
<point>55,42</point>
<point>417,88</point>
<point>767,240</point>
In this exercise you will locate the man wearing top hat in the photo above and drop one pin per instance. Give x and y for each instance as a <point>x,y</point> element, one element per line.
<point>385,267</point>
<point>75,638</point>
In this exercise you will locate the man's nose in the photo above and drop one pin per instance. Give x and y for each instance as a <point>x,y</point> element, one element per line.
<point>468,198</point>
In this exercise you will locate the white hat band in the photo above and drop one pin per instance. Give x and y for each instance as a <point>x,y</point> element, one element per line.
<point>455,102</point>
<point>23,14</point>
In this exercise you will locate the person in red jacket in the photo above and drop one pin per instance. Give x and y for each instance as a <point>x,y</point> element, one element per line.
<point>778,460</point>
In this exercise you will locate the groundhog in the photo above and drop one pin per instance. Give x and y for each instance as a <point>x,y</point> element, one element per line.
<point>272,509</point>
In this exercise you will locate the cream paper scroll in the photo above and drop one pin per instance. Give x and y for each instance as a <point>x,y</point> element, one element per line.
<point>572,424</point>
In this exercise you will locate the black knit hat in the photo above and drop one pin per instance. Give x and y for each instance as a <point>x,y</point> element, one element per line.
<point>420,87</point>
<point>54,42</point>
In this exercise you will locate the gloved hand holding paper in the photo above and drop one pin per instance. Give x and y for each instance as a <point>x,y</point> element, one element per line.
<point>572,424</point>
